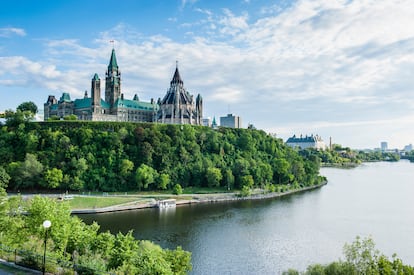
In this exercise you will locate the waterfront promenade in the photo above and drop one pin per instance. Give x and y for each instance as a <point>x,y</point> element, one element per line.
<point>194,199</point>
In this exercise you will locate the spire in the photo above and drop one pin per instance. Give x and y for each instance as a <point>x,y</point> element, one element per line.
<point>112,62</point>
<point>176,78</point>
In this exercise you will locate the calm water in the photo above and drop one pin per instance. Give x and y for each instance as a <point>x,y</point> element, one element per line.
<point>270,236</point>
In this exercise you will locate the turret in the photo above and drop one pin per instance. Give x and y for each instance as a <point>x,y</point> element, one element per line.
<point>112,82</point>
<point>96,94</point>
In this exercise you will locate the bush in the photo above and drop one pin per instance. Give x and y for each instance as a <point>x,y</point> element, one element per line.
<point>178,190</point>
<point>246,191</point>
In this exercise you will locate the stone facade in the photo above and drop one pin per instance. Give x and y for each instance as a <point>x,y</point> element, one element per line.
<point>311,141</point>
<point>177,107</point>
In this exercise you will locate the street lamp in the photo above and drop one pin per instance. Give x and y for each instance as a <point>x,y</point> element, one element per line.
<point>46,225</point>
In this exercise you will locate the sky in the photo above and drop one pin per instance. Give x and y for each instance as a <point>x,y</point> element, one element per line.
<point>339,69</point>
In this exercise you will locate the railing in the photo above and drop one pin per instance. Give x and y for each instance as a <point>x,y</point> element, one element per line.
<point>31,260</point>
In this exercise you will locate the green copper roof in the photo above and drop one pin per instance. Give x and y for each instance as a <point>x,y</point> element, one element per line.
<point>87,102</point>
<point>112,62</point>
<point>65,98</point>
<point>138,105</point>
<point>95,77</point>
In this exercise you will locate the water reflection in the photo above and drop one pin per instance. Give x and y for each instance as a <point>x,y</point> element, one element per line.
<point>270,236</point>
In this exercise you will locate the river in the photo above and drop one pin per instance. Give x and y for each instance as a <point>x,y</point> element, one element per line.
<point>273,235</point>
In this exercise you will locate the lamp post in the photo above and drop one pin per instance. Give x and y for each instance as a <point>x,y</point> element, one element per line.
<point>46,225</point>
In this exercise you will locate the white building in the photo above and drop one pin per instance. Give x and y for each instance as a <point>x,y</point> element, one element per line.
<point>206,122</point>
<point>306,142</point>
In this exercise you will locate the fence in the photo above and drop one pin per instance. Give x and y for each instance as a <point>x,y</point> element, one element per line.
<point>32,260</point>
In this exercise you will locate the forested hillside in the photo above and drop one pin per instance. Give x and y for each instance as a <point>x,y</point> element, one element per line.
<point>106,156</point>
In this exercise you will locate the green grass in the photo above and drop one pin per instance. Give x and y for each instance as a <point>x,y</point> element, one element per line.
<point>205,190</point>
<point>100,202</point>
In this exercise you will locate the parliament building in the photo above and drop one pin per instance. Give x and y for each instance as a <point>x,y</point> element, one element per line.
<point>177,107</point>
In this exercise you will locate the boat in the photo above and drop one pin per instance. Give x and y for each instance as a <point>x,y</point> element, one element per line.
<point>170,203</point>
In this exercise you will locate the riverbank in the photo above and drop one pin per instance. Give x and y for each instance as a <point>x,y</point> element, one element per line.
<point>195,198</point>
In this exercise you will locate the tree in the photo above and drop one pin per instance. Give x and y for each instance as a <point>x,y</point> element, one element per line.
<point>126,168</point>
<point>4,180</point>
<point>26,174</point>
<point>163,181</point>
<point>178,190</point>
<point>247,181</point>
<point>14,119</point>
<point>28,106</point>
<point>70,117</point>
<point>53,178</point>
<point>362,255</point>
<point>144,176</point>
<point>213,176</point>
<point>229,179</point>
<point>361,258</point>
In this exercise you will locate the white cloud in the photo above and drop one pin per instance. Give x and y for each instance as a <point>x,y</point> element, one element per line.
<point>310,65</point>
<point>187,2</point>
<point>8,32</point>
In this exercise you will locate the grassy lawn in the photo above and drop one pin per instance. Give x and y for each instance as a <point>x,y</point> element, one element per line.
<point>100,202</point>
<point>205,190</point>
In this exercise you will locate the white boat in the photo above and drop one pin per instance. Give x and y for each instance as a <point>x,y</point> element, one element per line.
<point>170,203</point>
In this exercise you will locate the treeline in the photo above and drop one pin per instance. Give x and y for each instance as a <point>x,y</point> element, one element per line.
<point>72,245</point>
<point>410,156</point>
<point>345,156</point>
<point>113,156</point>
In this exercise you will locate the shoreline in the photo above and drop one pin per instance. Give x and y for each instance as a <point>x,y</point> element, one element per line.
<point>197,198</point>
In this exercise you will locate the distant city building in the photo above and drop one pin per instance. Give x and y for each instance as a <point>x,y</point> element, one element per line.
<point>206,122</point>
<point>306,142</point>
<point>384,146</point>
<point>408,147</point>
<point>230,121</point>
<point>177,107</point>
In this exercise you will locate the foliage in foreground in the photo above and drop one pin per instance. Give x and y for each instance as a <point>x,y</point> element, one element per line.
<point>361,257</point>
<point>69,239</point>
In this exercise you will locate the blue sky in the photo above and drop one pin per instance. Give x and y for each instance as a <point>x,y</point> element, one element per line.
<point>340,69</point>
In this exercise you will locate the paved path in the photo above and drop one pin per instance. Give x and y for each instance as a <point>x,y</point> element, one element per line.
<point>7,268</point>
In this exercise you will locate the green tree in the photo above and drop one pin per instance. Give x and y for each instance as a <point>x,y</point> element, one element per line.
<point>247,181</point>
<point>14,119</point>
<point>4,181</point>
<point>27,173</point>
<point>144,176</point>
<point>163,181</point>
<point>53,178</point>
<point>70,117</point>
<point>229,179</point>
<point>362,254</point>
<point>213,176</point>
<point>28,106</point>
<point>178,190</point>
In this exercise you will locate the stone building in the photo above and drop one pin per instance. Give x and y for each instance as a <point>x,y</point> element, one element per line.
<point>311,141</point>
<point>114,108</point>
<point>178,105</point>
